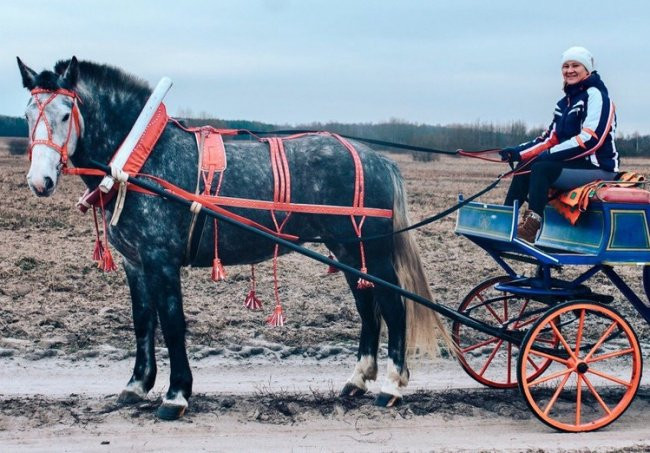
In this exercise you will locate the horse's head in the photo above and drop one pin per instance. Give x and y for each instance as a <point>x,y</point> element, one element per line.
<point>55,124</point>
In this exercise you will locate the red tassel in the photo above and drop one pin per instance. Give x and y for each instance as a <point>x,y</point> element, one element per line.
<point>107,264</point>
<point>98,253</point>
<point>277,318</point>
<point>252,302</point>
<point>331,269</point>
<point>218,272</point>
<point>363,283</point>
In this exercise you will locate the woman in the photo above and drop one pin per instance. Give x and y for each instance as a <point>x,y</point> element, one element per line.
<point>577,148</point>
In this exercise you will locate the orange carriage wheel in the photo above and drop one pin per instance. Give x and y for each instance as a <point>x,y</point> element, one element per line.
<point>491,360</point>
<point>595,372</point>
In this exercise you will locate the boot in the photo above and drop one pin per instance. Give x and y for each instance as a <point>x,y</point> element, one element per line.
<point>529,226</point>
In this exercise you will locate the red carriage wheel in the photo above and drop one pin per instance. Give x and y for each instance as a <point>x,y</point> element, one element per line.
<point>595,371</point>
<point>491,360</point>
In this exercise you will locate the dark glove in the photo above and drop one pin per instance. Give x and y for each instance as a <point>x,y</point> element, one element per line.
<point>510,155</point>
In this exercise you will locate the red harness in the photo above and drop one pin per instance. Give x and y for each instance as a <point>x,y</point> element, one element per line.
<point>213,162</point>
<point>75,120</point>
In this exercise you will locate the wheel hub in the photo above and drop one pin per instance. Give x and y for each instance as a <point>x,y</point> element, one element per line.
<point>582,367</point>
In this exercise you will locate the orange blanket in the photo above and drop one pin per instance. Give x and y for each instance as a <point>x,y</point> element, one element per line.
<point>574,202</point>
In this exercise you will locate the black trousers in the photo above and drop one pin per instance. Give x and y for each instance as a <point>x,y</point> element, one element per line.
<point>533,187</point>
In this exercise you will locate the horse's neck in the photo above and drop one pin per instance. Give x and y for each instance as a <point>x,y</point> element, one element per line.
<point>108,118</point>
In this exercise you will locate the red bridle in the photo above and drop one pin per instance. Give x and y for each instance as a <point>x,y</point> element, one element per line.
<point>74,120</point>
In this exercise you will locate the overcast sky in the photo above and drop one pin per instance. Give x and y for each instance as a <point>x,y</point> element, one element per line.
<point>292,61</point>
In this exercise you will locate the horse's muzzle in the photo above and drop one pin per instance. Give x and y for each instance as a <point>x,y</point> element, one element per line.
<point>43,187</point>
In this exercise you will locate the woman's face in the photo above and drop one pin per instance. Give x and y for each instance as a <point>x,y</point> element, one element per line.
<point>573,72</point>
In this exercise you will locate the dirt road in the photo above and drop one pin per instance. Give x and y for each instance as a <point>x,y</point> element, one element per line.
<point>261,404</point>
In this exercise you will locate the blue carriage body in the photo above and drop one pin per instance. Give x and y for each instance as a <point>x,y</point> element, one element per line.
<point>611,233</point>
<point>607,234</point>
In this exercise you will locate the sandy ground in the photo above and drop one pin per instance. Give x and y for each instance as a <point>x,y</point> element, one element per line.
<point>66,346</point>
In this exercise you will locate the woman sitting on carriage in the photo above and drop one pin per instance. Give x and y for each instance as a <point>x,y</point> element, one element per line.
<point>577,148</point>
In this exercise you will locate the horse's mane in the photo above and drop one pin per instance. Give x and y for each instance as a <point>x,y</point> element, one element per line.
<point>106,76</point>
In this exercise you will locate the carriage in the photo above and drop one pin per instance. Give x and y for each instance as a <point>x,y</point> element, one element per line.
<point>575,359</point>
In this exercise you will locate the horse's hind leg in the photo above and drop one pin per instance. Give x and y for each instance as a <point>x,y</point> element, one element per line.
<point>144,323</point>
<point>393,311</point>
<point>366,367</point>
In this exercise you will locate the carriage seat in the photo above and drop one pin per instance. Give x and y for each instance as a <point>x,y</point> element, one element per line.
<point>623,195</point>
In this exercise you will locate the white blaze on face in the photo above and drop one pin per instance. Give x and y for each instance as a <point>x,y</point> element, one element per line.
<point>45,166</point>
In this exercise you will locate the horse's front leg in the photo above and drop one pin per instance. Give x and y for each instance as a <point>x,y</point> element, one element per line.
<point>165,286</point>
<point>144,323</point>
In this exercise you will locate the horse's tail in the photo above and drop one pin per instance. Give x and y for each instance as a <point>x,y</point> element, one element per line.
<point>425,331</point>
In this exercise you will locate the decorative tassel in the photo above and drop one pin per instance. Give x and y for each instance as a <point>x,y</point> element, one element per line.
<point>98,253</point>
<point>363,283</point>
<point>277,318</point>
<point>331,269</point>
<point>252,302</point>
<point>218,272</point>
<point>107,264</point>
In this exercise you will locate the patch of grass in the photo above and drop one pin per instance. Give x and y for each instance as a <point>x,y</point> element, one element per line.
<point>26,263</point>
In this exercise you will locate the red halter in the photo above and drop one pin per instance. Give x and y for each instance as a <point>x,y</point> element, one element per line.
<point>74,113</point>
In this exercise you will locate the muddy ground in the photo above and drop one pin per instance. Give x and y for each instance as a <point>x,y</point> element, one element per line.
<point>64,322</point>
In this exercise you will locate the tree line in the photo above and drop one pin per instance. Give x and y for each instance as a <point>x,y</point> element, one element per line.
<point>471,136</point>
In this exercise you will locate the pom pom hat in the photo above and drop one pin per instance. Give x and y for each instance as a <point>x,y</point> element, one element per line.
<point>581,55</point>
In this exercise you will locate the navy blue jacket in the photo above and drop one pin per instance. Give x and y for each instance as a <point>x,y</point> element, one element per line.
<point>583,127</point>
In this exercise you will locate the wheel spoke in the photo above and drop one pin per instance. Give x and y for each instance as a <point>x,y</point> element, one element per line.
<point>525,323</point>
<point>559,388</point>
<point>581,325</point>
<point>521,312</point>
<point>478,345</point>
<point>532,362</point>
<point>494,313</point>
<point>610,355</point>
<point>601,340</point>
<point>487,363</point>
<point>563,341</point>
<point>596,395</point>
<point>610,377</point>
<point>555,375</point>
<point>546,340</point>
<point>578,397</point>
<point>549,356</point>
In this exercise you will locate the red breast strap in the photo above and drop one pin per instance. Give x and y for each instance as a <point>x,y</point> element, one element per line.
<point>134,163</point>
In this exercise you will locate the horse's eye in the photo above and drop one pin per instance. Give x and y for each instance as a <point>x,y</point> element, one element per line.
<point>65,117</point>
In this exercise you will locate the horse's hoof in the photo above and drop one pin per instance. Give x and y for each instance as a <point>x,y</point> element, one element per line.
<point>168,411</point>
<point>128,397</point>
<point>351,391</point>
<point>387,400</point>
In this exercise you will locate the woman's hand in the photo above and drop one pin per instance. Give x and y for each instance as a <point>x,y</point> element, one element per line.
<point>510,155</point>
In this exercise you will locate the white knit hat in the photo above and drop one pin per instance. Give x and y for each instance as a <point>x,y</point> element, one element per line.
<point>581,55</point>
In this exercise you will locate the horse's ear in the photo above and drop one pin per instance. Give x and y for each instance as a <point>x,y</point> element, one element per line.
<point>28,74</point>
<point>70,75</point>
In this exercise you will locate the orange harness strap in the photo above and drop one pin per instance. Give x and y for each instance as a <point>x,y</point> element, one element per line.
<point>281,194</point>
<point>212,156</point>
